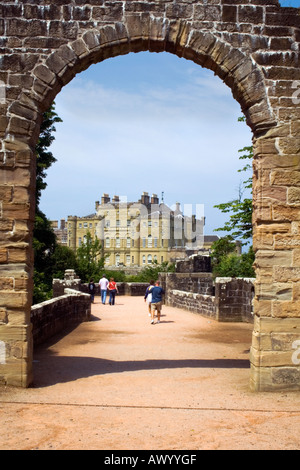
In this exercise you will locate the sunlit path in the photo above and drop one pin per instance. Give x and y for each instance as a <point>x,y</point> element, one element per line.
<point>119,382</point>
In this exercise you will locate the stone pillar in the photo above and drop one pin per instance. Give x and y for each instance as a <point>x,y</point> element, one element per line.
<point>275,349</point>
<point>16,261</point>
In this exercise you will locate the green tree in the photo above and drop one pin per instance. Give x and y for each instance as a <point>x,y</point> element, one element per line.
<point>234,265</point>
<point>45,158</point>
<point>63,258</point>
<point>44,244</point>
<point>240,221</point>
<point>89,258</point>
<point>220,248</point>
<point>44,239</point>
<point>152,271</point>
<point>239,227</point>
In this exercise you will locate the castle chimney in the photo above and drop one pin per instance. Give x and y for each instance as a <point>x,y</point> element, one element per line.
<point>105,199</point>
<point>145,199</point>
<point>154,199</point>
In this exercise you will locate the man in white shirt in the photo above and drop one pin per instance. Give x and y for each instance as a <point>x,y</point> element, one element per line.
<point>103,283</point>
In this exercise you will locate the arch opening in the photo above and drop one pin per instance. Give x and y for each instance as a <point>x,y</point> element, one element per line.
<point>243,70</point>
<point>148,258</point>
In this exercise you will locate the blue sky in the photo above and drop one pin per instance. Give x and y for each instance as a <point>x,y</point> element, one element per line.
<point>146,122</point>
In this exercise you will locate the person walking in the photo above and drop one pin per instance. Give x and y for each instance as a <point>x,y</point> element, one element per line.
<point>148,296</point>
<point>103,283</point>
<point>92,290</point>
<point>156,303</point>
<point>113,289</point>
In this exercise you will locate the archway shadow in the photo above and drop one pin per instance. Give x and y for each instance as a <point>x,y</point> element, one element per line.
<point>62,369</point>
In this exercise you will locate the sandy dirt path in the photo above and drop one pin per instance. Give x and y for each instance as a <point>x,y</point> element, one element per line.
<point>120,383</point>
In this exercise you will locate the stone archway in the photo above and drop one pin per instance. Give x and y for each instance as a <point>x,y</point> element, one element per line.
<point>253,48</point>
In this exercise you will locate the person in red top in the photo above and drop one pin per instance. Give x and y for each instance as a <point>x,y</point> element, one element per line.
<point>113,289</point>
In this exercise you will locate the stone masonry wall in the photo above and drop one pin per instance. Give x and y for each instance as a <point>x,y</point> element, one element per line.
<point>195,264</point>
<point>234,299</point>
<point>53,316</point>
<point>226,299</point>
<point>71,281</point>
<point>197,283</point>
<point>197,303</point>
<point>253,46</point>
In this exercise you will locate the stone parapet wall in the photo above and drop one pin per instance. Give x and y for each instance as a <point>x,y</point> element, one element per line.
<point>70,281</point>
<point>196,303</point>
<point>195,264</point>
<point>73,282</point>
<point>59,286</point>
<point>234,298</point>
<point>134,288</point>
<point>231,300</point>
<point>50,317</point>
<point>197,283</point>
<point>124,288</point>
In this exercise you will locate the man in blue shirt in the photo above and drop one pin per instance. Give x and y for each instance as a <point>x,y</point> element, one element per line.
<point>156,303</point>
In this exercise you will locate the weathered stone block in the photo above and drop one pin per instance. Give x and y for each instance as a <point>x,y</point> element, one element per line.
<point>44,73</point>
<point>265,258</point>
<point>285,178</point>
<point>293,195</point>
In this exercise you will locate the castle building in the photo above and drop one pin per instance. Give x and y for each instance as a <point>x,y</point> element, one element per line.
<point>60,231</point>
<point>137,234</point>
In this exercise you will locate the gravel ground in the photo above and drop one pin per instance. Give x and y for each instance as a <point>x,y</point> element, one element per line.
<point>120,383</point>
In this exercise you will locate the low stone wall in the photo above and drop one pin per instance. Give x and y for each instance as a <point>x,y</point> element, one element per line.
<point>50,317</point>
<point>124,288</point>
<point>196,303</point>
<point>196,283</point>
<point>194,264</point>
<point>71,281</point>
<point>225,299</point>
<point>234,299</point>
<point>134,288</point>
